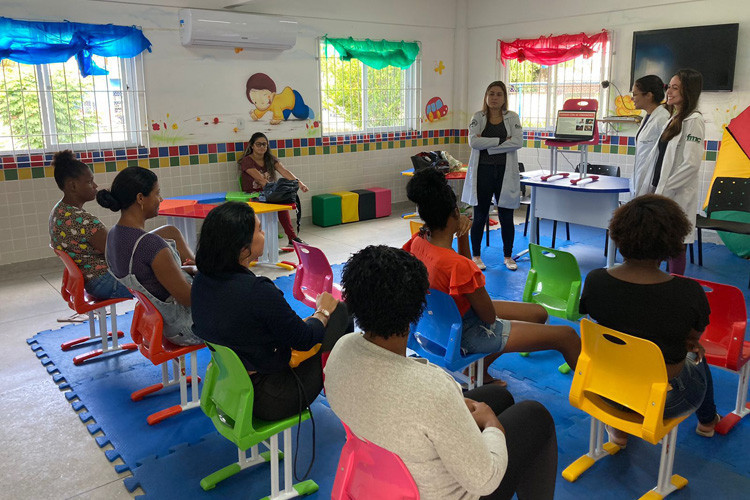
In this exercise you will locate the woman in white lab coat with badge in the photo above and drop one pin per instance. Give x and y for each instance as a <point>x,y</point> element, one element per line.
<point>676,159</point>
<point>648,94</point>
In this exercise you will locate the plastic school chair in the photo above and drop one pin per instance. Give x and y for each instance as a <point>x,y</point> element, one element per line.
<point>554,282</point>
<point>725,344</point>
<point>368,472</point>
<point>314,275</point>
<point>74,293</point>
<point>227,399</point>
<point>146,330</point>
<point>437,338</point>
<point>630,371</point>
<point>415,226</point>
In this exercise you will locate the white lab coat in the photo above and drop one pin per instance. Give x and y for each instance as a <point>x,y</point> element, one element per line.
<point>680,169</point>
<point>510,195</point>
<point>647,139</point>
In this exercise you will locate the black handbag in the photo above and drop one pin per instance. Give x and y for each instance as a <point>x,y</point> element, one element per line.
<point>281,191</point>
<point>430,159</point>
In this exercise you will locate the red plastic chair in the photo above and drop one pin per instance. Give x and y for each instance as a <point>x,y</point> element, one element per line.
<point>368,472</point>
<point>314,275</point>
<point>80,301</point>
<point>725,344</point>
<point>581,104</point>
<point>146,331</point>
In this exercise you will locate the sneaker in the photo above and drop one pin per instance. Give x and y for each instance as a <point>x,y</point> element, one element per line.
<point>510,264</point>
<point>298,240</point>
<point>478,261</point>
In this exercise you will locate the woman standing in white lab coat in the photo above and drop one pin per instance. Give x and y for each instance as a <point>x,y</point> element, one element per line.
<point>648,94</point>
<point>495,136</point>
<point>678,154</point>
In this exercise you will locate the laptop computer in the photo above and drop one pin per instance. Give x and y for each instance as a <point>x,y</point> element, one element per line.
<point>574,126</point>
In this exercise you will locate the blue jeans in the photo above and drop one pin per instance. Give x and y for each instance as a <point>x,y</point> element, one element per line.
<point>106,286</point>
<point>480,337</point>
<point>692,390</point>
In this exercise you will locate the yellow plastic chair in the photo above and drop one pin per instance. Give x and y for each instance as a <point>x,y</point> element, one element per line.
<point>415,226</point>
<point>349,206</point>
<point>630,371</point>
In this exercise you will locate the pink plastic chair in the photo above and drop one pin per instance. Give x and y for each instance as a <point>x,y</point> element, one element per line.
<point>369,472</point>
<point>314,275</point>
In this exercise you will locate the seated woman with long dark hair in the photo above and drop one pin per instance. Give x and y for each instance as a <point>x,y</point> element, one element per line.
<point>149,262</point>
<point>640,299</point>
<point>247,313</point>
<point>456,446</point>
<point>491,326</point>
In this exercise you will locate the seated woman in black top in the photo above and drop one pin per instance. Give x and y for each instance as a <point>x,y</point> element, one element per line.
<point>247,313</point>
<point>639,299</point>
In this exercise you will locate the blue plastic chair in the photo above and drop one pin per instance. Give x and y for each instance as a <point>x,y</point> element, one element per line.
<point>437,338</point>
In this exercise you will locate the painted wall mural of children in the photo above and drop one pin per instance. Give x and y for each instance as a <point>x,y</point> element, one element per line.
<point>261,92</point>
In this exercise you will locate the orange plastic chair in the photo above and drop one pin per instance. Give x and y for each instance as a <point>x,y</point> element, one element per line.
<point>580,104</point>
<point>80,301</point>
<point>630,371</point>
<point>368,472</point>
<point>146,331</point>
<point>725,344</point>
<point>314,275</point>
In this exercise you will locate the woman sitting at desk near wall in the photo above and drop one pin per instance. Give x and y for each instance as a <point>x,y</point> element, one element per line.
<point>149,262</point>
<point>495,134</point>
<point>673,166</point>
<point>640,299</point>
<point>78,233</point>
<point>258,167</point>
<point>247,313</point>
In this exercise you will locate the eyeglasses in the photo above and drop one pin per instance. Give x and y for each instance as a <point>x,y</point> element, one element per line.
<point>261,144</point>
<point>638,93</point>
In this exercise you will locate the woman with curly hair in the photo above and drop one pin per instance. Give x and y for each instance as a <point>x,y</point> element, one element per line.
<point>640,299</point>
<point>489,326</point>
<point>456,446</point>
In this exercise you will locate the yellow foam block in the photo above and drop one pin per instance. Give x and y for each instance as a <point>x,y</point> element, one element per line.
<point>349,206</point>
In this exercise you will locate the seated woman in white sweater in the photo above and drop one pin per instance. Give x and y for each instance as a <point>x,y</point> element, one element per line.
<point>456,446</point>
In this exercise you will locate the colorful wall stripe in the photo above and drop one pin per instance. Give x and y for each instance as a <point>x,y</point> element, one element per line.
<point>36,166</point>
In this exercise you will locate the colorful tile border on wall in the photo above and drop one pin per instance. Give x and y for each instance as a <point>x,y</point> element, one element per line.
<point>37,166</point>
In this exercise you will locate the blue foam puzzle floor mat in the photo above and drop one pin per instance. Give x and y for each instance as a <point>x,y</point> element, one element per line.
<point>170,458</point>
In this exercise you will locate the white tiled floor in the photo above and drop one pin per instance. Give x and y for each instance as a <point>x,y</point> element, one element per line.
<point>45,450</point>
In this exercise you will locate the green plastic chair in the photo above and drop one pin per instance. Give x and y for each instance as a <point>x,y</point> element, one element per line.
<point>554,282</point>
<point>227,399</point>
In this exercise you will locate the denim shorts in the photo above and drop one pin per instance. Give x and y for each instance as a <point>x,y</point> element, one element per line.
<point>106,286</point>
<point>478,336</point>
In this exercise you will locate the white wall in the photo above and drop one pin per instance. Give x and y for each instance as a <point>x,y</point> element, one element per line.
<point>184,84</point>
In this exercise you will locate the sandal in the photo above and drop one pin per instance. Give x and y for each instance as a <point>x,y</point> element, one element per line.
<point>708,430</point>
<point>478,261</point>
<point>510,264</point>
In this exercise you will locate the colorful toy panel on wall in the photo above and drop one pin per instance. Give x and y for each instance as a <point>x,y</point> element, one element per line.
<point>734,161</point>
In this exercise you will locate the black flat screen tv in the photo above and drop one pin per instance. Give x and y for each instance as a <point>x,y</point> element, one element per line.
<point>712,50</point>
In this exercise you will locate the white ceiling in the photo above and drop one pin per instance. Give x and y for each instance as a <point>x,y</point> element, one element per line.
<point>193,4</point>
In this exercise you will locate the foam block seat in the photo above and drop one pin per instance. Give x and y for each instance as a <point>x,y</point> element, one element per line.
<point>382,201</point>
<point>326,210</point>
<point>366,203</point>
<point>349,206</point>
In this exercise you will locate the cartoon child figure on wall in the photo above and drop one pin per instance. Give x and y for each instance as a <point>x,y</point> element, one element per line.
<point>261,92</point>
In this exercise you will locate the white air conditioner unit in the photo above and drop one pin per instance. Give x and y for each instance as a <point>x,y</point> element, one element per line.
<point>236,29</point>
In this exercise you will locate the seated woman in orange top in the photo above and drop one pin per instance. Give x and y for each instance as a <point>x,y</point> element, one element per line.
<point>490,326</point>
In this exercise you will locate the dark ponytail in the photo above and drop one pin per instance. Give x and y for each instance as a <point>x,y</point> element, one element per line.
<point>435,199</point>
<point>126,187</point>
<point>67,166</point>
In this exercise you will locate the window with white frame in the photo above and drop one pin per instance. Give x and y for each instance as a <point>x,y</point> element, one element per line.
<point>536,92</point>
<point>358,99</point>
<point>47,107</point>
